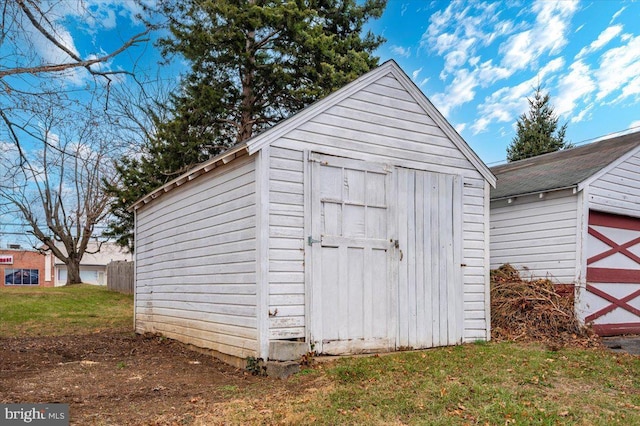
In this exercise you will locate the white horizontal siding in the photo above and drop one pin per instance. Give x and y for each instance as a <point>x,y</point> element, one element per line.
<point>537,236</point>
<point>618,191</point>
<point>286,244</point>
<point>382,124</point>
<point>196,262</point>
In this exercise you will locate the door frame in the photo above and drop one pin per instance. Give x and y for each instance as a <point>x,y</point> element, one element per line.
<point>313,318</point>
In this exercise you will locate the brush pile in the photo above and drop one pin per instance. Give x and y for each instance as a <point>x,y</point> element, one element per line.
<point>533,310</point>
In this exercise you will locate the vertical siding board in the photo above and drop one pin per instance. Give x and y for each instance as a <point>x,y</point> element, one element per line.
<point>421,282</point>
<point>315,324</point>
<point>391,284</point>
<point>403,276</point>
<point>435,261</point>
<point>444,238</point>
<point>427,259</point>
<point>456,263</point>
<point>342,291</point>
<point>369,297</point>
<point>411,257</point>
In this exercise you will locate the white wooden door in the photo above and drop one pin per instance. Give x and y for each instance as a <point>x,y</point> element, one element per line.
<point>612,300</point>
<point>353,302</point>
<point>430,291</point>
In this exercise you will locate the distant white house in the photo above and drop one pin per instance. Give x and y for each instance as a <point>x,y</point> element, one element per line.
<point>93,267</point>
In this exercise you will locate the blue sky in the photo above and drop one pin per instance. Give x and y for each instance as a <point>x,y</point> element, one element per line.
<point>476,61</point>
<point>479,61</point>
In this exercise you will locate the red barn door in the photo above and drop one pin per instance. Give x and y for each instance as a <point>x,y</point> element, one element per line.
<point>613,274</point>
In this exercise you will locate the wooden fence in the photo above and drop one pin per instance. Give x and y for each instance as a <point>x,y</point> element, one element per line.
<point>120,277</point>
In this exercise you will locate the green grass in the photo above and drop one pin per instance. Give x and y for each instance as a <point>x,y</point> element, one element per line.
<point>483,384</point>
<point>489,383</point>
<point>75,309</point>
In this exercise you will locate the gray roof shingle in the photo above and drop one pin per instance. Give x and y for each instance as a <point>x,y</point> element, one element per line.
<point>560,169</point>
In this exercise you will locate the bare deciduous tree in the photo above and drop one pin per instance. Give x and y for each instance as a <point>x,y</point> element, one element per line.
<point>57,190</point>
<point>57,137</point>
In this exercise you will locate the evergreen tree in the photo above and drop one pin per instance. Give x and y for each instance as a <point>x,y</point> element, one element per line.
<point>252,64</point>
<point>538,131</point>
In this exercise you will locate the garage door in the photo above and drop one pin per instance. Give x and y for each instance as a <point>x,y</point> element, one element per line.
<point>612,299</point>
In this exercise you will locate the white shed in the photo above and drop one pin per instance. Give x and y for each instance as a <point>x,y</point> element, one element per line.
<point>574,216</point>
<point>359,224</point>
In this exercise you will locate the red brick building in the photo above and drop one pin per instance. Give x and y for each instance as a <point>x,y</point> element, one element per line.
<point>25,268</point>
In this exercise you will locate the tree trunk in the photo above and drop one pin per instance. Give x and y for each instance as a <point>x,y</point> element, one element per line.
<point>73,272</point>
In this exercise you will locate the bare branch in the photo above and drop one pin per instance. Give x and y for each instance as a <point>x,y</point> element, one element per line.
<point>46,68</point>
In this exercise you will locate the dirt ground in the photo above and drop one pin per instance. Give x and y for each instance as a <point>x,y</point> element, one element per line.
<point>125,379</point>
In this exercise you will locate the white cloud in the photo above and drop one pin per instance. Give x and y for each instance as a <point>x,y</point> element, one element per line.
<point>458,57</point>
<point>488,73</point>
<point>618,13</point>
<point>551,67</point>
<point>401,51</point>
<point>459,92</point>
<point>507,103</point>
<point>504,105</point>
<point>456,34</point>
<point>572,87</point>
<point>582,115</point>
<point>480,125</point>
<point>635,125</point>
<point>619,67</point>
<point>444,42</point>
<point>101,14</point>
<point>459,30</point>
<point>415,73</point>
<point>631,89</point>
<point>546,35</point>
<point>605,37</point>
<point>423,82</point>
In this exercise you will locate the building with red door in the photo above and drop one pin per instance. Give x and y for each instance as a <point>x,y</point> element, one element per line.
<point>25,268</point>
<point>574,216</point>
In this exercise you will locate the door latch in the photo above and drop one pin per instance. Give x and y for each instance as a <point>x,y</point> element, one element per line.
<point>310,240</point>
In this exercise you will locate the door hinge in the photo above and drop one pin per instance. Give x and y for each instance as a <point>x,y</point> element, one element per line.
<point>310,240</point>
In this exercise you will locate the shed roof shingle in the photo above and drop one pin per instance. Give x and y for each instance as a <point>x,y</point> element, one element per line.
<point>560,169</point>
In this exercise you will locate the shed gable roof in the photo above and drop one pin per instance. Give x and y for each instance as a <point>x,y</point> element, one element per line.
<point>562,169</point>
<point>265,138</point>
<point>389,67</point>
